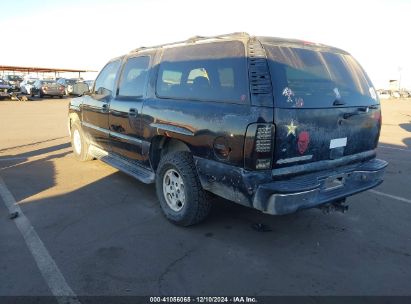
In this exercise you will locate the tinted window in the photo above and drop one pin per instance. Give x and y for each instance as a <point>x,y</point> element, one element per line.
<point>14,78</point>
<point>210,71</point>
<point>226,77</point>
<point>134,77</point>
<point>104,84</point>
<point>169,78</point>
<point>315,79</point>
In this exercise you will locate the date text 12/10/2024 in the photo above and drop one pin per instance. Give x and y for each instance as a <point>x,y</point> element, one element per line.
<point>203,299</point>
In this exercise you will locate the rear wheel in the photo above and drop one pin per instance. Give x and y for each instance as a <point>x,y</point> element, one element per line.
<point>79,143</point>
<point>179,190</point>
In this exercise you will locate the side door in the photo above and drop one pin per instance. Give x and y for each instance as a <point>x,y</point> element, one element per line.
<point>125,108</point>
<point>95,106</point>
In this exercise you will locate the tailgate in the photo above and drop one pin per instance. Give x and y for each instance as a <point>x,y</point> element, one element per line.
<point>325,106</point>
<point>309,135</point>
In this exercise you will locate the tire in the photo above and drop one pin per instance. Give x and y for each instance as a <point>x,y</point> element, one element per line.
<point>79,143</point>
<point>40,94</point>
<point>60,96</point>
<point>189,204</point>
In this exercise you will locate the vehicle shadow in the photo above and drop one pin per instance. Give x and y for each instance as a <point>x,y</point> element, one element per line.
<point>36,98</point>
<point>31,144</point>
<point>32,172</point>
<point>37,152</point>
<point>406,126</point>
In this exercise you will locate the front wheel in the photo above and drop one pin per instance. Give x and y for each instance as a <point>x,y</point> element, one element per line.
<point>79,143</point>
<point>179,190</point>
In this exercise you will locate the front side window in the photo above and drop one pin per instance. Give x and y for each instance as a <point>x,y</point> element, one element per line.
<point>105,81</point>
<point>211,71</point>
<point>134,77</point>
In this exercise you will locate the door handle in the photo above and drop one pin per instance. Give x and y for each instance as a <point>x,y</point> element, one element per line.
<point>359,111</point>
<point>104,108</point>
<point>132,112</point>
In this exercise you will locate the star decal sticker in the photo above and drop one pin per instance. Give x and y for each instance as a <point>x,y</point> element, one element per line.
<point>291,128</point>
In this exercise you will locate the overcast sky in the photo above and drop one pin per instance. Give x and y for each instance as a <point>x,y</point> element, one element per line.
<point>85,34</point>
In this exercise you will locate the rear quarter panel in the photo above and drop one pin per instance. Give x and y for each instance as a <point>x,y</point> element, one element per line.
<point>200,123</point>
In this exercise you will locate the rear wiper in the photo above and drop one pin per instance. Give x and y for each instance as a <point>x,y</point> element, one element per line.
<point>338,102</point>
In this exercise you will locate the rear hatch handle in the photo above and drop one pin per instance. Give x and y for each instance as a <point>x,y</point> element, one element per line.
<point>359,111</point>
<point>338,102</point>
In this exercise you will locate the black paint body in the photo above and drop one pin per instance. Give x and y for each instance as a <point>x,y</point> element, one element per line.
<point>221,135</point>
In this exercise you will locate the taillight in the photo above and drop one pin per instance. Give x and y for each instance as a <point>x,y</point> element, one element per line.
<point>263,138</point>
<point>61,88</point>
<point>377,116</point>
<point>44,88</point>
<point>258,147</point>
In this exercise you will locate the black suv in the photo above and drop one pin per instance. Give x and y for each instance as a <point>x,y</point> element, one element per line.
<point>273,124</point>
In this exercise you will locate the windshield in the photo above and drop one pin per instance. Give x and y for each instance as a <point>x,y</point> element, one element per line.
<point>14,77</point>
<point>316,79</point>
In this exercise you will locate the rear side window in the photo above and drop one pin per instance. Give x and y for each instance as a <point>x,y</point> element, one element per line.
<point>210,71</point>
<point>316,79</point>
<point>134,77</point>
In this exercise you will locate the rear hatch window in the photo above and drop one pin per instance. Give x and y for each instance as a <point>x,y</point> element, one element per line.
<point>325,106</point>
<point>316,79</point>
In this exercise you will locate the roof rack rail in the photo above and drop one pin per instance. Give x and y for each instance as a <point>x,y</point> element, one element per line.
<point>193,39</point>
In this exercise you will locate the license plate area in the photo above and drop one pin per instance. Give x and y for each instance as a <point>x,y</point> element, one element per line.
<point>334,182</point>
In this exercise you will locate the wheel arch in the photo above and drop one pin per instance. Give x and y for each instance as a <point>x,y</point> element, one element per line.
<point>162,145</point>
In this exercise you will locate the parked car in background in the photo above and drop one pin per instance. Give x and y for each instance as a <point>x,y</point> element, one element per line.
<point>14,81</point>
<point>5,88</point>
<point>80,88</point>
<point>89,84</point>
<point>47,88</point>
<point>404,94</point>
<point>396,94</point>
<point>384,94</point>
<point>26,85</point>
<point>274,124</point>
<point>67,83</point>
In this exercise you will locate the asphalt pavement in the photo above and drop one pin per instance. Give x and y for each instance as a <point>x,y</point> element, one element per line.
<point>88,228</point>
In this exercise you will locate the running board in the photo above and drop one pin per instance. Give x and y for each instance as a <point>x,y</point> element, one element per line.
<point>142,174</point>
